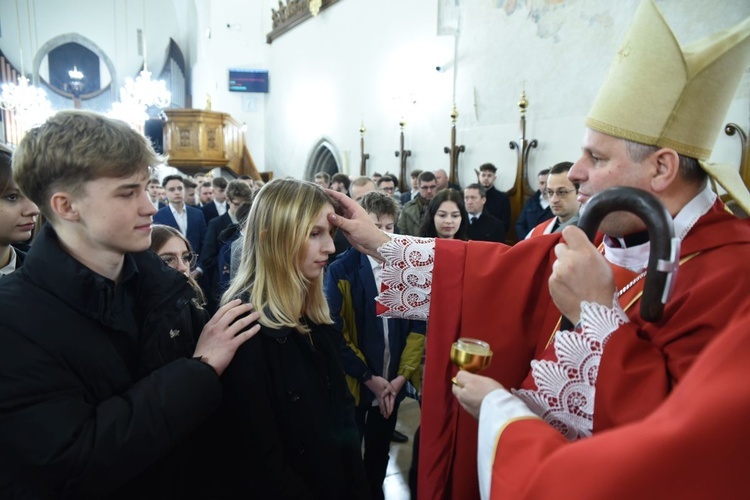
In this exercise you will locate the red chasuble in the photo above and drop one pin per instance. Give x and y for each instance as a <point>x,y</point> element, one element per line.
<point>500,294</point>
<point>694,446</point>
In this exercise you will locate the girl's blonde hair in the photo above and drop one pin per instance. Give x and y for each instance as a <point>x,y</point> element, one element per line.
<point>276,236</point>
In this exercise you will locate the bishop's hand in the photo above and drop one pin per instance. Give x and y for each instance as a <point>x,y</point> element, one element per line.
<point>357,226</point>
<point>579,274</point>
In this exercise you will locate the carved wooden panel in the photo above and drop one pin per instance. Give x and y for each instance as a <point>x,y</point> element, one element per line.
<point>198,138</point>
<point>293,12</point>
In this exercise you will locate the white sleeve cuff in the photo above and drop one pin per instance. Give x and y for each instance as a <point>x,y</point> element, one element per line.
<point>499,408</point>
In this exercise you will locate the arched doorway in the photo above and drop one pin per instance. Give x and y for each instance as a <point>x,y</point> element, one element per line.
<point>324,158</point>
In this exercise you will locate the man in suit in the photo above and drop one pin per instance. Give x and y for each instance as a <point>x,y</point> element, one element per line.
<point>219,205</point>
<point>536,209</point>
<point>188,220</point>
<point>498,203</point>
<point>483,226</point>
<point>407,196</point>
<point>190,187</point>
<point>153,193</point>
<point>562,195</point>
<point>205,194</point>
<point>238,192</point>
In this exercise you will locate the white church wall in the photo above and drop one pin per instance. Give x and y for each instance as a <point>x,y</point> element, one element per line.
<point>372,62</point>
<point>348,64</point>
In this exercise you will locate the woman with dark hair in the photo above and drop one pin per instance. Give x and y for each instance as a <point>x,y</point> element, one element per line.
<point>176,252</point>
<point>445,217</point>
<point>17,217</point>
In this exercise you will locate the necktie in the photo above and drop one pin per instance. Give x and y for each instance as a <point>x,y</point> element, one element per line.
<point>472,219</point>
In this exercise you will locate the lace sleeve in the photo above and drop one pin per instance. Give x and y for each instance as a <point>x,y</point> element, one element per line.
<point>566,386</point>
<point>407,277</point>
<point>599,321</point>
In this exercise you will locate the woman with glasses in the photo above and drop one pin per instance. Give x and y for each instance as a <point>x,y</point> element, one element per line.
<point>172,247</point>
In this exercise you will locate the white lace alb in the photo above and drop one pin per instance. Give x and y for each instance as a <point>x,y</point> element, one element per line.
<point>407,276</point>
<point>564,397</point>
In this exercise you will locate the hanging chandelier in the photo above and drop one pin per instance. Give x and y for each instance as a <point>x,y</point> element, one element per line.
<point>28,104</point>
<point>146,92</point>
<point>141,93</point>
<point>137,95</point>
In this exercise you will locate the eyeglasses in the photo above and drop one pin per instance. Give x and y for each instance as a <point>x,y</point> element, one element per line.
<point>561,193</point>
<point>188,258</point>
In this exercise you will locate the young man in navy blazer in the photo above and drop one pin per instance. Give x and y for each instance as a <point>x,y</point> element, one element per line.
<point>218,206</point>
<point>188,220</point>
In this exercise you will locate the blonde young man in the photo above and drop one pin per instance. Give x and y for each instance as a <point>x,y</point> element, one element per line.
<point>108,368</point>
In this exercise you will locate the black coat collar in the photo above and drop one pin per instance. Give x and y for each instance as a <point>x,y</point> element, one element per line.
<point>144,276</point>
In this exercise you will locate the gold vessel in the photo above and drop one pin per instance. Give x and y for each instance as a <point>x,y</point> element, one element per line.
<point>472,355</point>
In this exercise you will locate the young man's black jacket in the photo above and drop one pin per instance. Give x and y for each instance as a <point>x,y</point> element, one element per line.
<point>96,381</point>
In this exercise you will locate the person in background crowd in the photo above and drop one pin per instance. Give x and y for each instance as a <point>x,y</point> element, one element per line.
<point>445,216</point>
<point>360,187</point>
<point>340,182</point>
<point>562,194</point>
<point>498,203</point>
<point>536,209</point>
<point>190,187</point>
<point>219,205</point>
<point>205,194</point>
<point>483,226</point>
<point>153,187</point>
<point>17,217</point>
<point>322,179</point>
<point>407,196</point>
<point>410,218</point>
<point>175,251</point>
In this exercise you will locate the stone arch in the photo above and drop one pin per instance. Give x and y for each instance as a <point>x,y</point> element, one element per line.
<point>325,157</point>
<point>85,42</point>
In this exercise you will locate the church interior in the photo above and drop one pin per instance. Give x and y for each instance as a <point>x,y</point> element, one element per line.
<point>288,88</point>
<point>343,85</point>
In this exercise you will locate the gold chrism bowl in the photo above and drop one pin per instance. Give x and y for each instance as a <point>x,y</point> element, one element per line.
<point>472,355</point>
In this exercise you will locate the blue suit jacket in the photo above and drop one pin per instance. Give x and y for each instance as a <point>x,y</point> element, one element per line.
<point>196,230</point>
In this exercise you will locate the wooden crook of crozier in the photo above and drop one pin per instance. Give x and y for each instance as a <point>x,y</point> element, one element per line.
<point>663,259</point>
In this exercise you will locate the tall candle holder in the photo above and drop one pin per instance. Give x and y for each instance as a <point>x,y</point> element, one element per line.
<point>403,154</point>
<point>454,150</point>
<point>521,188</point>
<point>363,156</point>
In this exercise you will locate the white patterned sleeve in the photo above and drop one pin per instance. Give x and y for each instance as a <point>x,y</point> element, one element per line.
<point>407,276</point>
<point>599,321</point>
